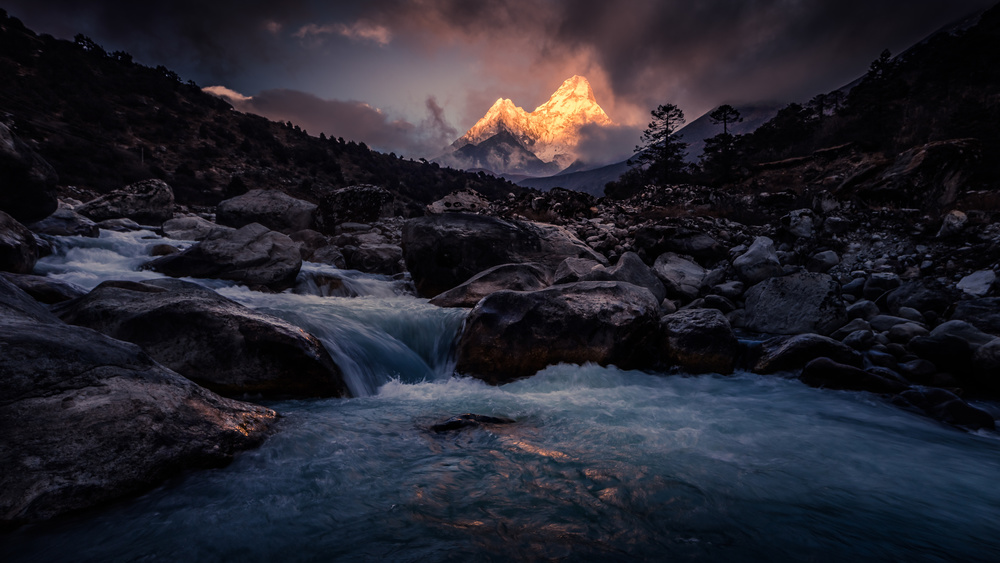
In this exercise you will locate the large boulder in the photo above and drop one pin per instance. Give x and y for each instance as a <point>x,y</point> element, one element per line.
<point>759,262</point>
<point>783,353</point>
<point>512,334</point>
<point>462,201</point>
<point>274,209</point>
<point>209,339</point>
<point>795,304</point>
<point>700,341</point>
<point>442,251</point>
<point>66,223</point>
<point>385,259</point>
<point>251,255</point>
<point>654,240</point>
<point>18,251</point>
<point>363,203</point>
<point>514,277</point>
<point>681,277</point>
<point>150,202</point>
<point>85,419</point>
<point>27,182</point>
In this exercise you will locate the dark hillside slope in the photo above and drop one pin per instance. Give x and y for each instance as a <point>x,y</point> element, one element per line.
<point>103,121</point>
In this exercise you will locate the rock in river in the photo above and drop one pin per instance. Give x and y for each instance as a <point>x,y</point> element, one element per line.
<point>512,334</point>
<point>209,339</point>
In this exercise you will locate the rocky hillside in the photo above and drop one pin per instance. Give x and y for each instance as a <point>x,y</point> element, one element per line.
<point>103,121</point>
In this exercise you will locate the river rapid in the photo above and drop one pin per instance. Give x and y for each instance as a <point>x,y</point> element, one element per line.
<point>600,464</point>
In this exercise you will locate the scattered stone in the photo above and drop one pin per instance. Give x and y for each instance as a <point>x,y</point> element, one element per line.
<point>150,202</point>
<point>466,200</point>
<point>905,332</point>
<point>731,290</point>
<point>799,223</point>
<point>922,295</point>
<point>700,341</point>
<point>759,262</point>
<point>953,224</point>
<point>863,309</point>
<point>823,261</point>
<point>882,323</point>
<point>879,283</point>
<point>274,209</point>
<point>860,339</point>
<point>978,284</point>
<point>682,278</point>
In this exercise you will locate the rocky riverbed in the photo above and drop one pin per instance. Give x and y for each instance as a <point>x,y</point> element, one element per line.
<point>900,303</point>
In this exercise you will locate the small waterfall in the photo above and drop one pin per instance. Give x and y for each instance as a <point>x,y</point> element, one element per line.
<point>374,340</point>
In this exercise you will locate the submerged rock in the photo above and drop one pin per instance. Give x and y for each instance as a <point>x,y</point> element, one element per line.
<point>826,373</point>
<point>512,334</point>
<point>66,222</point>
<point>468,420</point>
<point>209,339</point>
<point>794,352</point>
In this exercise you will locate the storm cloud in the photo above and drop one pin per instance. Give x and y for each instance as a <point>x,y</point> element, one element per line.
<point>302,59</point>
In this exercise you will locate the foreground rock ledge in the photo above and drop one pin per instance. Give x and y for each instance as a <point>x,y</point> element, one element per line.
<point>512,334</point>
<point>86,419</point>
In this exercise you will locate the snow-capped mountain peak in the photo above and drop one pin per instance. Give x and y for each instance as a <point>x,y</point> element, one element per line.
<point>551,131</point>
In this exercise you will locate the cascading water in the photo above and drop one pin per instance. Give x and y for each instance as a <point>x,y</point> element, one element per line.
<point>600,464</point>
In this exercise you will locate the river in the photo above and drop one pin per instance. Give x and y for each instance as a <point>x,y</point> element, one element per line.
<point>601,463</point>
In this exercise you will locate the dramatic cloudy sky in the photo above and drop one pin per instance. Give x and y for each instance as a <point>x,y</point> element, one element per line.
<point>411,75</point>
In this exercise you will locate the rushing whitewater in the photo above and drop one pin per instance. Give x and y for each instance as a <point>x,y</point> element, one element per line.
<point>600,464</point>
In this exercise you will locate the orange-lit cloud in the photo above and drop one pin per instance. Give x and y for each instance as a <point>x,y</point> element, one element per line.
<point>359,30</point>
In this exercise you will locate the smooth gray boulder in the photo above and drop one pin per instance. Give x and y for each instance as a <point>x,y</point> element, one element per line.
<point>795,304</point>
<point>44,289</point>
<point>443,251</point>
<point>631,269</point>
<point>86,419</point>
<point>572,269</point>
<point>252,255</point>
<point>274,209</point>
<point>759,262</point>
<point>700,341</point>
<point>514,277</point>
<point>150,202</point>
<point>513,334</point>
<point>209,339</point>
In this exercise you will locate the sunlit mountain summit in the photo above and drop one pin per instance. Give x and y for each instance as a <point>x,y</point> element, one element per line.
<point>510,140</point>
